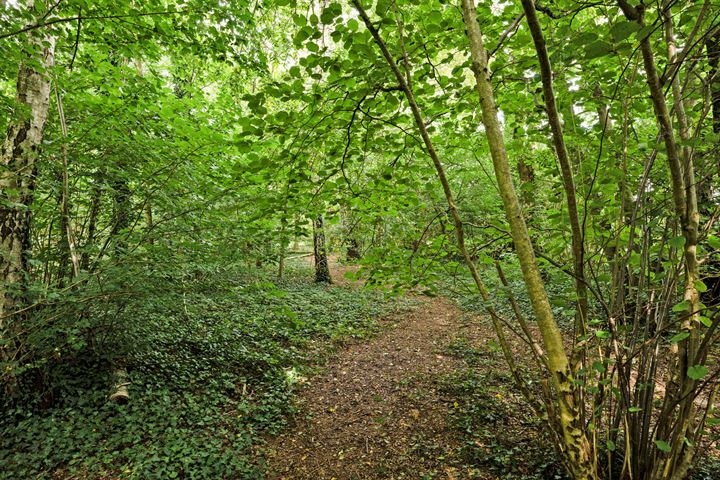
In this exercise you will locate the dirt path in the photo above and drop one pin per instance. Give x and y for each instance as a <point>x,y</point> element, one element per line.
<point>377,411</point>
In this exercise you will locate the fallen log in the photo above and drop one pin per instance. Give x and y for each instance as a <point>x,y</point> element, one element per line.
<point>120,381</point>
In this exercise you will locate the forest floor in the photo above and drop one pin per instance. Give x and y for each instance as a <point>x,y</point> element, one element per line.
<point>392,407</point>
<point>429,397</point>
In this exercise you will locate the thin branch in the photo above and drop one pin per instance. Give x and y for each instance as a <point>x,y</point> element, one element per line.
<point>88,17</point>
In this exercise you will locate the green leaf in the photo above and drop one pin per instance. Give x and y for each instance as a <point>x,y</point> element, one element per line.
<point>598,49</point>
<point>622,30</point>
<point>598,366</point>
<point>301,36</point>
<point>681,307</point>
<point>714,242</point>
<point>696,372</point>
<point>382,7</point>
<point>677,242</point>
<point>435,16</point>
<point>662,445</point>
<point>330,12</point>
<point>610,445</point>
<point>679,337</point>
<point>700,286</point>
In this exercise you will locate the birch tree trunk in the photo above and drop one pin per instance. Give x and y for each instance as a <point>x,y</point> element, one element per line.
<point>18,156</point>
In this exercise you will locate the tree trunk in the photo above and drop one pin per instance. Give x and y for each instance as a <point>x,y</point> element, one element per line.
<point>350,241</point>
<point>526,173</point>
<point>121,213</point>
<point>67,232</point>
<point>322,268</point>
<point>578,249</point>
<point>686,211</point>
<point>353,249</point>
<point>713,54</point>
<point>283,245</point>
<point>712,167</point>
<point>19,153</point>
<point>575,446</point>
<point>121,222</point>
<point>95,200</point>
<point>120,381</point>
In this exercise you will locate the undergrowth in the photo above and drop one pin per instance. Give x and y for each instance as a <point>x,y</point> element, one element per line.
<point>498,432</point>
<point>213,356</point>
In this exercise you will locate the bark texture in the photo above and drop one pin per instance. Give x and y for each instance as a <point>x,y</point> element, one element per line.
<point>713,55</point>
<point>322,268</point>
<point>686,211</point>
<point>561,151</point>
<point>18,157</point>
<point>575,446</point>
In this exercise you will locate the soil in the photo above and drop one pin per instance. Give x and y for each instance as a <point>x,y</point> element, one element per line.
<point>378,411</point>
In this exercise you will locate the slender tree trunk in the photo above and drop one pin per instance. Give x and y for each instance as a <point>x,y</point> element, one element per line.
<point>526,173</point>
<point>452,207</point>
<point>121,213</point>
<point>712,170</point>
<point>527,178</point>
<point>283,245</point>
<point>63,244</point>
<point>575,446</point>
<point>67,231</point>
<point>678,104</point>
<point>322,268</point>
<point>685,202</point>
<point>121,221</point>
<point>713,55</point>
<point>578,248</point>
<point>350,240</point>
<point>20,151</point>
<point>95,198</point>
<point>353,249</point>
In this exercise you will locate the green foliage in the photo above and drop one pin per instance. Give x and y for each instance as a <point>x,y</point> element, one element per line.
<point>706,469</point>
<point>205,132</point>
<point>213,354</point>
<point>559,286</point>
<point>496,435</point>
